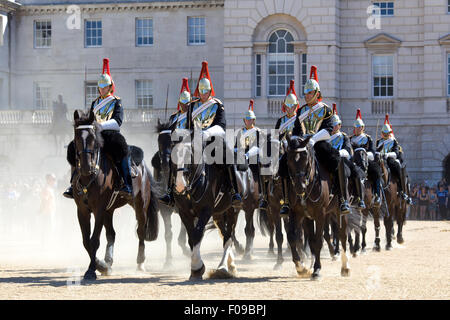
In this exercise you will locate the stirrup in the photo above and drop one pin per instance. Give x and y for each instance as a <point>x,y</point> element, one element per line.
<point>68,193</point>
<point>345,208</point>
<point>263,204</point>
<point>361,204</point>
<point>167,199</point>
<point>284,211</point>
<point>236,201</point>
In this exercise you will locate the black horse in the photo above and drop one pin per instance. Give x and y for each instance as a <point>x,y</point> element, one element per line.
<point>95,191</point>
<point>161,164</point>
<point>201,192</point>
<point>312,188</point>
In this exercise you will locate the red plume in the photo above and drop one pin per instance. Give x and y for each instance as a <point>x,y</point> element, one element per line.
<point>358,114</point>
<point>313,75</point>
<point>107,71</point>
<point>386,121</point>
<point>251,107</point>
<point>334,109</point>
<point>204,73</point>
<point>289,91</point>
<point>184,87</point>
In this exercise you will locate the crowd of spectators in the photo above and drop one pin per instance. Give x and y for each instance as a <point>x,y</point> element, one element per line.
<point>430,202</point>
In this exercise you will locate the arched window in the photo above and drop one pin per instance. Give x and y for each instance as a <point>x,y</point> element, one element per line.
<point>280,62</point>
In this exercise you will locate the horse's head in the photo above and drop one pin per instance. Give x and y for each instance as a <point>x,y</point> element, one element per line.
<point>164,143</point>
<point>88,142</point>
<point>361,159</point>
<point>300,162</point>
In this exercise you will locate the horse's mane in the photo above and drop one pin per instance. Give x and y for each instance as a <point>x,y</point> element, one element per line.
<point>88,119</point>
<point>161,126</point>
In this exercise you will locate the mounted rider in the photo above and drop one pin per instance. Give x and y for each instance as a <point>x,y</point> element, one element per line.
<point>108,112</point>
<point>178,120</point>
<point>315,119</point>
<point>390,150</point>
<point>285,125</point>
<point>341,142</point>
<point>207,113</point>
<point>249,139</point>
<point>361,140</point>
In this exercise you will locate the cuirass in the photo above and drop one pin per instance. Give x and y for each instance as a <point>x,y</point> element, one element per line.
<point>205,118</point>
<point>387,145</point>
<point>286,128</point>
<point>248,138</point>
<point>181,120</point>
<point>360,141</point>
<point>105,112</point>
<point>337,141</point>
<point>313,119</point>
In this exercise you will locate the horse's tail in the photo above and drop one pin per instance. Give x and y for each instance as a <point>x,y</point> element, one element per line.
<point>354,221</point>
<point>264,223</point>
<point>152,223</point>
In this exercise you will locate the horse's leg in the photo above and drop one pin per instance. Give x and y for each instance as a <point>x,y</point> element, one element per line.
<point>84,219</point>
<point>345,268</point>
<point>237,246</point>
<point>377,226</point>
<point>110,238</point>
<point>249,234</point>
<point>197,265</point>
<point>226,266</point>
<point>292,238</point>
<point>279,239</point>
<point>317,243</point>
<point>167,219</point>
<point>350,242</point>
<point>388,224</point>
<point>271,230</point>
<point>94,243</point>
<point>400,220</point>
<point>357,246</point>
<point>327,237</point>
<point>335,233</point>
<point>363,233</point>
<point>182,241</point>
<point>141,219</point>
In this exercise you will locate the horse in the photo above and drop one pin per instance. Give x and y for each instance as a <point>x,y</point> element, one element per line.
<point>202,191</point>
<point>95,192</point>
<point>312,186</point>
<point>160,163</point>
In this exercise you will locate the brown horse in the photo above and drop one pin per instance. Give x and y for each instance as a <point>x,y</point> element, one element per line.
<point>95,192</point>
<point>312,185</point>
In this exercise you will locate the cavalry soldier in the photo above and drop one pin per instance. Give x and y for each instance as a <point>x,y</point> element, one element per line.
<point>341,142</point>
<point>178,120</point>
<point>389,148</point>
<point>360,139</point>
<point>315,119</point>
<point>285,125</point>
<point>108,112</point>
<point>208,114</point>
<point>248,139</point>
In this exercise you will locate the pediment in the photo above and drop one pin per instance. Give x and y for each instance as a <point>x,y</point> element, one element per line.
<point>445,40</point>
<point>383,41</point>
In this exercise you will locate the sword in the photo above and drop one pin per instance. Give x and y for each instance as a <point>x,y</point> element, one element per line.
<point>167,98</point>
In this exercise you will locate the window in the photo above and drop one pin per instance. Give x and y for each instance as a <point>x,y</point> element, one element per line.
<point>144,32</point>
<point>448,7</point>
<point>144,94</point>
<point>448,73</point>
<point>386,8</point>
<point>42,34</point>
<point>90,93</point>
<point>304,73</point>
<point>42,95</point>
<point>93,33</point>
<point>280,62</point>
<point>258,76</point>
<point>196,30</point>
<point>383,75</point>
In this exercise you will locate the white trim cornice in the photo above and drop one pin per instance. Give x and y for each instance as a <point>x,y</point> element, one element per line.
<point>120,7</point>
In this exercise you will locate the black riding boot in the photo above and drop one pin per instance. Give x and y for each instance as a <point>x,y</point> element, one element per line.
<point>262,189</point>
<point>125,171</point>
<point>377,189</point>
<point>284,211</point>
<point>236,199</point>
<point>404,191</point>
<point>167,199</point>
<point>69,191</point>
<point>359,193</point>
<point>344,207</point>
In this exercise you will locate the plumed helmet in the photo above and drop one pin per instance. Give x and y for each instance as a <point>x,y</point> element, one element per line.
<point>358,122</point>
<point>106,79</point>
<point>387,126</point>
<point>335,120</point>
<point>250,114</point>
<point>291,99</point>
<point>185,93</point>
<point>312,84</point>
<point>204,84</point>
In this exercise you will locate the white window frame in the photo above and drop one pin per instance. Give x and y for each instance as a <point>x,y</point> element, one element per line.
<point>448,7</point>
<point>40,103</point>
<point>372,87</point>
<point>303,72</point>
<point>378,4</point>
<point>150,30</point>
<point>269,54</point>
<point>448,74</point>
<point>196,34</point>
<point>258,75</point>
<point>41,44</point>
<point>89,96</point>
<point>144,95</point>
<point>96,29</point>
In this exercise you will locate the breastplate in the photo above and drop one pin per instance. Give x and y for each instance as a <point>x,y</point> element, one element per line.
<point>387,145</point>
<point>286,129</point>
<point>104,113</point>
<point>205,118</point>
<point>359,141</point>
<point>181,119</point>
<point>313,119</point>
<point>337,142</point>
<point>247,139</point>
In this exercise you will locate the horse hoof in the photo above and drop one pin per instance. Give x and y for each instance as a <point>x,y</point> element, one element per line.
<point>388,247</point>
<point>197,274</point>
<point>102,266</point>
<point>107,272</point>
<point>316,275</point>
<point>271,253</point>
<point>239,250</point>
<point>247,257</point>
<point>400,240</point>
<point>363,251</point>
<point>334,258</point>
<point>186,252</point>
<point>345,272</point>
<point>376,249</point>
<point>278,266</point>
<point>140,267</point>
<point>303,272</point>
<point>355,254</point>
<point>222,273</point>
<point>90,276</point>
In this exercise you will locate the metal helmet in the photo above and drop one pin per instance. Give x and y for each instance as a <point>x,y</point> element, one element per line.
<point>335,120</point>
<point>291,100</point>
<point>311,85</point>
<point>104,81</point>
<point>204,86</point>
<point>250,114</point>
<point>358,122</point>
<point>185,97</point>
<point>387,126</point>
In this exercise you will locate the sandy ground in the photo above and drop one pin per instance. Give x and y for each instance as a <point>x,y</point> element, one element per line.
<point>51,268</point>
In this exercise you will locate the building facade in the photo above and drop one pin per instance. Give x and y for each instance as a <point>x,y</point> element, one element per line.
<point>380,56</point>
